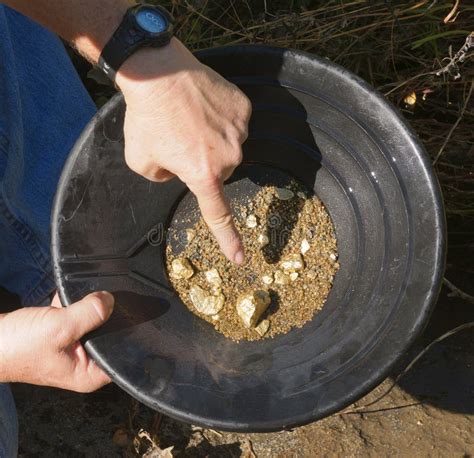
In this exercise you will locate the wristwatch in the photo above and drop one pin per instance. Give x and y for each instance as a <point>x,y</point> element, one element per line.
<point>142,26</point>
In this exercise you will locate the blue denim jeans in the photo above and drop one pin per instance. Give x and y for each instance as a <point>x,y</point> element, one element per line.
<point>43,109</point>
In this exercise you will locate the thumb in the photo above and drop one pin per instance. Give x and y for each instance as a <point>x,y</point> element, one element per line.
<point>216,212</point>
<point>88,314</point>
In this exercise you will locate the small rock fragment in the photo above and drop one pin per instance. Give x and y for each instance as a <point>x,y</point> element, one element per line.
<point>410,99</point>
<point>190,234</point>
<point>262,327</point>
<point>213,304</point>
<point>197,295</point>
<point>216,317</point>
<point>205,303</point>
<point>292,263</point>
<point>294,276</point>
<point>333,257</point>
<point>181,268</point>
<point>213,277</point>
<point>281,278</point>
<point>267,279</point>
<point>312,274</point>
<point>251,221</point>
<point>251,305</point>
<point>284,193</point>
<point>263,240</point>
<point>304,246</point>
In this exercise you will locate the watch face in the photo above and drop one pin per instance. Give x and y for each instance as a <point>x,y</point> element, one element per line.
<point>151,20</point>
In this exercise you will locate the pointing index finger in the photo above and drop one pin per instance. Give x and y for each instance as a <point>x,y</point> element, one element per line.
<point>216,212</point>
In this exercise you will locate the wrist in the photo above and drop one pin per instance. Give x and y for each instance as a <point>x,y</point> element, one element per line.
<point>155,65</point>
<point>4,364</point>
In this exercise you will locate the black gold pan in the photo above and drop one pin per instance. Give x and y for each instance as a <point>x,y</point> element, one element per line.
<point>311,120</point>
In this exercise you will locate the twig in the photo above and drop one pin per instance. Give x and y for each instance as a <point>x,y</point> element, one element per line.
<point>453,128</point>
<point>456,292</point>
<point>407,81</point>
<point>462,55</point>
<point>217,433</point>
<point>452,13</point>
<point>384,409</point>
<point>251,452</point>
<point>464,326</point>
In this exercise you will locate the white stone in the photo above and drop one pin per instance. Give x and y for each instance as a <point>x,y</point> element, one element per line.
<point>292,263</point>
<point>304,246</point>
<point>251,221</point>
<point>213,277</point>
<point>267,279</point>
<point>263,240</point>
<point>294,276</point>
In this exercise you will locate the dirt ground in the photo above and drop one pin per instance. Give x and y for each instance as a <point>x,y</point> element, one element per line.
<point>430,412</point>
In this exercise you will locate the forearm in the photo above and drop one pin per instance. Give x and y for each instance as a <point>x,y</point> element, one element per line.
<point>4,376</point>
<point>87,24</point>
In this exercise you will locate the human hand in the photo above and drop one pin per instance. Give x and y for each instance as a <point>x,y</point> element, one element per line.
<point>185,120</point>
<point>40,345</point>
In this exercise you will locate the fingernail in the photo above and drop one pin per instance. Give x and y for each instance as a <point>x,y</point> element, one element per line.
<point>108,299</point>
<point>239,257</point>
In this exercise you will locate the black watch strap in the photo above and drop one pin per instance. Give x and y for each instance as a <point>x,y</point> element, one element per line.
<point>128,38</point>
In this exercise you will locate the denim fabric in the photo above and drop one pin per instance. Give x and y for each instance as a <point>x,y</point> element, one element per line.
<point>43,109</point>
<point>8,424</point>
